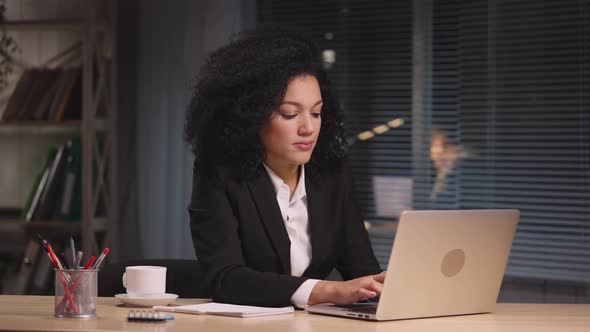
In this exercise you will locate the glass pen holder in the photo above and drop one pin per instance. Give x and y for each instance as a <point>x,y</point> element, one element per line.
<point>75,293</point>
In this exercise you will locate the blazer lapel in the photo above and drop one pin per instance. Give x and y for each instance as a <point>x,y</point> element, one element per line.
<point>319,227</point>
<point>265,199</point>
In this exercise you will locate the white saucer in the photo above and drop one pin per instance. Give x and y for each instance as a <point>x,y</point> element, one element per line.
<point>147,301</point>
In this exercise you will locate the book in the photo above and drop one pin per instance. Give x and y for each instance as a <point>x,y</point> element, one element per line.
<point>70,205</point>
<point>31,195</point>
<point>33,207</point>
<point>73,109</point>
<point>58,93</point>
<point>46,94</point>
<point>18,96</point>
<point>40,112</point>
<point>72,75</point>
<point>53,186</point>
<point>43,80</point>
<point>223,309</point>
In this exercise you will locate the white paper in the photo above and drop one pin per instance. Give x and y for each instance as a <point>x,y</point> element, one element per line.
<point>223,309</point>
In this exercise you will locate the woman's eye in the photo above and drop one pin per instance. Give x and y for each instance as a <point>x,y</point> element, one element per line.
<point>316,115</point>
<point>288,116</point>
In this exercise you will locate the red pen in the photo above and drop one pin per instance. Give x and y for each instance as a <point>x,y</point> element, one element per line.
<point>89,263</point>
<point>105,252</point>
<point>57,265</point>
<point>50,253</point>
<point>54,257</point>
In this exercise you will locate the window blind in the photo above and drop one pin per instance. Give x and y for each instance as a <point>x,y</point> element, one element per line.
<point>504,121</point>
<point>510,87</point>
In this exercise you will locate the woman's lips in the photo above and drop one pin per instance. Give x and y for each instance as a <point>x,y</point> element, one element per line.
<point>304,146</point>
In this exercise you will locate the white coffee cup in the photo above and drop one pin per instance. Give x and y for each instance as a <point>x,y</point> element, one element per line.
<point>144,281</point>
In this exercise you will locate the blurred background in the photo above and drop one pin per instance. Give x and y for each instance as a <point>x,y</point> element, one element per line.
<point>449,105</point>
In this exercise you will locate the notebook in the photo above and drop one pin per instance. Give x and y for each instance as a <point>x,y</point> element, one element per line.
<point>222,309</point>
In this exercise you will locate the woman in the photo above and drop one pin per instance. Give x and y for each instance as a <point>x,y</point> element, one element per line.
<point>272,211</point>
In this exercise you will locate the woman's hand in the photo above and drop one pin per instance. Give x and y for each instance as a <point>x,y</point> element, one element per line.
<point>347,292</point>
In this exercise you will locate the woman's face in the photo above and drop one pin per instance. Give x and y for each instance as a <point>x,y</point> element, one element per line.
<point>291,133</point>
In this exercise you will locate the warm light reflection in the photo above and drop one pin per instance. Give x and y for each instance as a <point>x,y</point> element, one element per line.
<point>365,135</point>
<point>380,129</point>
<point>396,123</point>
<point>445,157</point>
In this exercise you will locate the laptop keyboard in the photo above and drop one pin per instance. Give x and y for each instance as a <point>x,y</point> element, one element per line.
<point>365,308</point>
<point>368,310</point>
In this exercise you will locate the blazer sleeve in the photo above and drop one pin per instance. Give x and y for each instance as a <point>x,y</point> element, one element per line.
<point>356,254</point>
<point>215,233</point>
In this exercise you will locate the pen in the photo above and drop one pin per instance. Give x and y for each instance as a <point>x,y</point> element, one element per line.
<point>105,252</point>
<point>44,244</point>
<point>89,263</point>
<point>66,262</point>
<point>78,260</point>
<point>52,257</point>
<point>73,248</point>
<point>57,265</point>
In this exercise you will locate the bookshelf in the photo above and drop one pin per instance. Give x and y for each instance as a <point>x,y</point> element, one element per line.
<point>50,228</point>
<point>96,127</point>
<point>35,25</point>
<point>40,127</point>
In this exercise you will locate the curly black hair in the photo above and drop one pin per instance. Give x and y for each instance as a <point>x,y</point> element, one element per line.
<point>241,85</point>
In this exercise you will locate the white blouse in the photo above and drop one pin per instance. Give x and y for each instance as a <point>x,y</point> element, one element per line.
<point>296,219</point>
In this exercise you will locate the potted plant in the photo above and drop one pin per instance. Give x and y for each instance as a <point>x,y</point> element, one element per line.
<point>8,47</point>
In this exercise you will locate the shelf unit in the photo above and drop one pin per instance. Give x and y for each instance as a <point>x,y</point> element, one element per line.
<point>97,126</point>
<point>40,127</point>
<point>35,25</point>
<point>49,227</point>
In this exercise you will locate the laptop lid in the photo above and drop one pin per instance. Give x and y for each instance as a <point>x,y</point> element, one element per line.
<point>447,263</point>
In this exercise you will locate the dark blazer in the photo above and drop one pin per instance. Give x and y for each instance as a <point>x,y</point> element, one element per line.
<point>243,246</point>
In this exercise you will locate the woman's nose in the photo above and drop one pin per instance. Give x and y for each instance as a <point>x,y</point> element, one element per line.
<point>306,126</point>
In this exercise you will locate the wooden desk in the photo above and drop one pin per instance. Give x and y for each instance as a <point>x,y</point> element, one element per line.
<point>35,313</point>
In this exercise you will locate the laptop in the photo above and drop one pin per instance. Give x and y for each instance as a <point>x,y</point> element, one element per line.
<point>442,263</point>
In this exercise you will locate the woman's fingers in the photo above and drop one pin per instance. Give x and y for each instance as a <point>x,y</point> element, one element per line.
<point>359,294</point>
<point>347,292</point>
<point>363,294</point>
<point>370,283</point>
<point>376,287</point>
<point>379,277</point>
